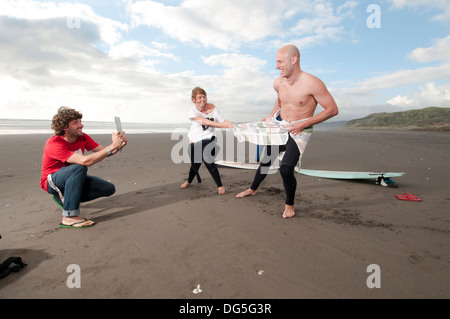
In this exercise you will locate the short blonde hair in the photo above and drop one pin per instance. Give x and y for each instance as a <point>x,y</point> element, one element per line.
<point>196,91</point>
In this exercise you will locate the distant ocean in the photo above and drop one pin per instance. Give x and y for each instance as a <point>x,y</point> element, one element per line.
<point>16,126</point>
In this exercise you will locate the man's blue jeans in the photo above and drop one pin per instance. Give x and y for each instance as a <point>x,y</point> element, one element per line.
<point>78,187</point>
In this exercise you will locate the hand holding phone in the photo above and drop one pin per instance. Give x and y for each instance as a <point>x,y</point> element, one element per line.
<point>118,124</point>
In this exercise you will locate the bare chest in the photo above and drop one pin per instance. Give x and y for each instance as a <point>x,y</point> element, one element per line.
<point>296,97</point>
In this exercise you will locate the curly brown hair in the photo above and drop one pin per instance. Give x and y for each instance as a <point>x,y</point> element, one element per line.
<point>62,119</point>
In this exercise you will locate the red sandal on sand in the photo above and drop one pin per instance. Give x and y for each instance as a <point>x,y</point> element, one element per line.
<point>407,196</point>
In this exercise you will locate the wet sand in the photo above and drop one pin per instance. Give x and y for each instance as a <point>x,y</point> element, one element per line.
<point>154,240</point>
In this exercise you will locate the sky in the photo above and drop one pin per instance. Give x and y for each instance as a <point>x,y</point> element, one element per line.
<point>140,59</point>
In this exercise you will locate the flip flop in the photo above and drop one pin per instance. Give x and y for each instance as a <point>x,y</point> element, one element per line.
<point>410,197</point>
<point>403,195</point>
<point>61,225</point>
<point>58,201</point>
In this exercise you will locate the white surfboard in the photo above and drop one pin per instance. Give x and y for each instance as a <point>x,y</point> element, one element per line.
<point>241,165</point>
<point>381,177</point>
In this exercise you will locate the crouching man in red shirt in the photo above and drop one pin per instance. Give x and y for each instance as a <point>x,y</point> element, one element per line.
<point>64,166</point>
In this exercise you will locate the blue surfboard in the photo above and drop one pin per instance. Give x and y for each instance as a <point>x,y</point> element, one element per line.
<point>348,174</point>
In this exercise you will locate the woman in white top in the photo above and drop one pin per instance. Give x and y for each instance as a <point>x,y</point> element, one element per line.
<point>205,117</point>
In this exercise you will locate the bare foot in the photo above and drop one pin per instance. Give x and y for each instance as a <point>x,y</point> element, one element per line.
<point>245,193</point>
<point>288,211</point>
<point>221,190</point>
<point>185,185</point>
<point>76,221</point>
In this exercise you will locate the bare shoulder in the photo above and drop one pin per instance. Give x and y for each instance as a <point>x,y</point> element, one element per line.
<point>311,78</point>
<point>314,84</point>
<point>210,108</point>
<point>277,82</point>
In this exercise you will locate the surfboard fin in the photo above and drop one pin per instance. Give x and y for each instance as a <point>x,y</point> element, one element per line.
<point>385,181</point>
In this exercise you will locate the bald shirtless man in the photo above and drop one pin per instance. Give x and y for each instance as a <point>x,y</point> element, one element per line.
<point>299,93</point>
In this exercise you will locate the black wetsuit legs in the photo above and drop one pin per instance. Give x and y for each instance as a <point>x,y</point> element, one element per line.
<point>204,151</point>
<point>290,159</point>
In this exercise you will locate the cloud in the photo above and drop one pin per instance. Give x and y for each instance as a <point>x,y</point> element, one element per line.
<point>406,77</point>
<point>429,95</point>
<point>223,24</point>
<point>424,5</point>
<point>30,49</point>
<point>236,61</point>
<point>241,86</point>
<point>401,100</point>
<point>321,18</point>
<point>439,51</point>
<point>316,22</point>
<point>45,65</point>
<point>56,53</point>
<point>75,15</point>
<point>49,60</point>
<point>434,95</point>
<point>368,91</point>
<point>366,96</point>
<point>140,52</point>
<point>228,24</point>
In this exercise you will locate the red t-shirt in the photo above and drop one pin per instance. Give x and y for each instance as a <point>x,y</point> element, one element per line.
<point>57,151</point>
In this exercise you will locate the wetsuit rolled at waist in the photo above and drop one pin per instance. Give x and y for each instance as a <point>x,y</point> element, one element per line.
<point>275,134</point>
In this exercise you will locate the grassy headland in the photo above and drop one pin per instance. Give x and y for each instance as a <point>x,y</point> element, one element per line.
<point>427,119</point>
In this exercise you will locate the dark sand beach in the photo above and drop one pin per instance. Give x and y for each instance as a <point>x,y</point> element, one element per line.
<point>154,240</point>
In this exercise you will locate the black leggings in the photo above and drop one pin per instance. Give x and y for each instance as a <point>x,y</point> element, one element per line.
<point>198,155</point>
<point>290,159</point>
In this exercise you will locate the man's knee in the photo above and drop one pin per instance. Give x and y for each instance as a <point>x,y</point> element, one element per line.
<point>77,168</point>
<point>110,189</point>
